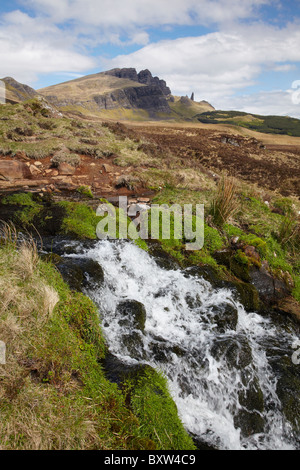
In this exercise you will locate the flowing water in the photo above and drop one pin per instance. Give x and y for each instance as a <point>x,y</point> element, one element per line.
<point>220,360</point>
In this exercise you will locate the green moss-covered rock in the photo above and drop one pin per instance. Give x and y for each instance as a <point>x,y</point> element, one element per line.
<point>80,273</point>
<point>150,399</point>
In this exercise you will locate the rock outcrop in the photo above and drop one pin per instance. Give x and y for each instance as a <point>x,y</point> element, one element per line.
<point>150,98</point>
<point>144,77</point>
<point>13,170</point>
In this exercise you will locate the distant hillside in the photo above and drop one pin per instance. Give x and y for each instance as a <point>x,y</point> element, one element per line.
<point>186,108</point>
<point>118,93</point>
<point>122,94</point>
<point>16,92</point>
<point>266,124</point>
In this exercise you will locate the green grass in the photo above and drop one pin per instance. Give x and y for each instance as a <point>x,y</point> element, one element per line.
<point>54,394</point>
<point>29,127</point>
<point>266,124</point>
<point>150,399</point>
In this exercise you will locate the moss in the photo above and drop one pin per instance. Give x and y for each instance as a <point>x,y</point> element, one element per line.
<point>85,191</point>
<point>19,199</point>
<point>30,207</point>
<point>80,221</point>
<point>81,313</point>
<point>150,399</point>
<point>296,290</point>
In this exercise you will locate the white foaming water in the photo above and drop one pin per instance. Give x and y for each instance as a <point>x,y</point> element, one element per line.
<point>208,369</point>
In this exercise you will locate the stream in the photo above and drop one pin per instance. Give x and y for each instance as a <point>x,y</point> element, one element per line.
<point>230,372</point>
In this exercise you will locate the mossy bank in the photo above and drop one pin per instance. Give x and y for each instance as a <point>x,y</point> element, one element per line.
<point>53,388</point>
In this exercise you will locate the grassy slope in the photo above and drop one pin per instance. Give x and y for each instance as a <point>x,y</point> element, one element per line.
<point>265,124</point>
<point>83,88</point>
<point>188,109</point>
<point>30,127</point>
<point>57,370</point>
<point>53,393</point>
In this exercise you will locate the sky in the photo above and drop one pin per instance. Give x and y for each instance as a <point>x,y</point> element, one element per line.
<point>236,54</point>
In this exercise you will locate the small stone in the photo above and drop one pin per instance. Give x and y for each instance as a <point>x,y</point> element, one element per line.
<point>34,170</point>
<point>107,168</point>
<point>66,169</point>
<point>144,199</point>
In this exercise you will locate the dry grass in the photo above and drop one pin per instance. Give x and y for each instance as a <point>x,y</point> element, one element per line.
<point>225,204</point>
<point>26,303</point>
<point>53,394</point>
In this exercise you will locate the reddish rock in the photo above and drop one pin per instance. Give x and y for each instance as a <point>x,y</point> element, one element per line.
<point>12,170</point>
<point>66,169</point>
<point>290,306</point>
<point>34,170</point>
<point>107,168</point>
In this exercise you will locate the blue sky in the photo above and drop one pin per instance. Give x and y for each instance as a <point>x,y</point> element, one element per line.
<point>236,54</point>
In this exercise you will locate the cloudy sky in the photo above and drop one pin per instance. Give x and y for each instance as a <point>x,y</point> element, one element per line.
<point>236,54</point>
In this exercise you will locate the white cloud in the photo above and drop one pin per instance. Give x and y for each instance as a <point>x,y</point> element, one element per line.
<point>33,46</point>
<point>217,65</point>
<point>121,15</point>
<point>277,102</point>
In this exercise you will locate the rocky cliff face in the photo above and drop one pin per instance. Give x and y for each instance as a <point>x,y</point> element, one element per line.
<point>149,97</point>
<point>144,77</point>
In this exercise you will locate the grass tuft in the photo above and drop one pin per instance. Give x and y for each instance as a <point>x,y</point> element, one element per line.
<point>224,205</point>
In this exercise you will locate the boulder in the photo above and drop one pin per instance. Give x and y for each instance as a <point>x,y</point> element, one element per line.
<point>80,273</point>
<point>132,313</point>
<point>66,170</point>
<point>12,170</point>
<point>34,170</point>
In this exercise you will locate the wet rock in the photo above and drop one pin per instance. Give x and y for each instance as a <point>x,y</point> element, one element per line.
<point>132,313</point>
<point>248,296</point>
<point>65,246</point>
<point>133,341</point>
<point>49,220</point>
<point>244,292</point>
<point>236,351</point>
<point>227,258</point>
<point>163,259</point>
<point>206,272</point>
<point>118,371</point>
<point>224,316</point>
<point>249,422</point>
<point>80,273</point>
<point>289,306</point>
<point>269,288</point>
<point>288,381</point>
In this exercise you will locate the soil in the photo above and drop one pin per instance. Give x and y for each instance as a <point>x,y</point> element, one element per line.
<point>270,164</point>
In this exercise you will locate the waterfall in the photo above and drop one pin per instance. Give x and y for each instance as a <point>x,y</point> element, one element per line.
<point>222,363</point>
